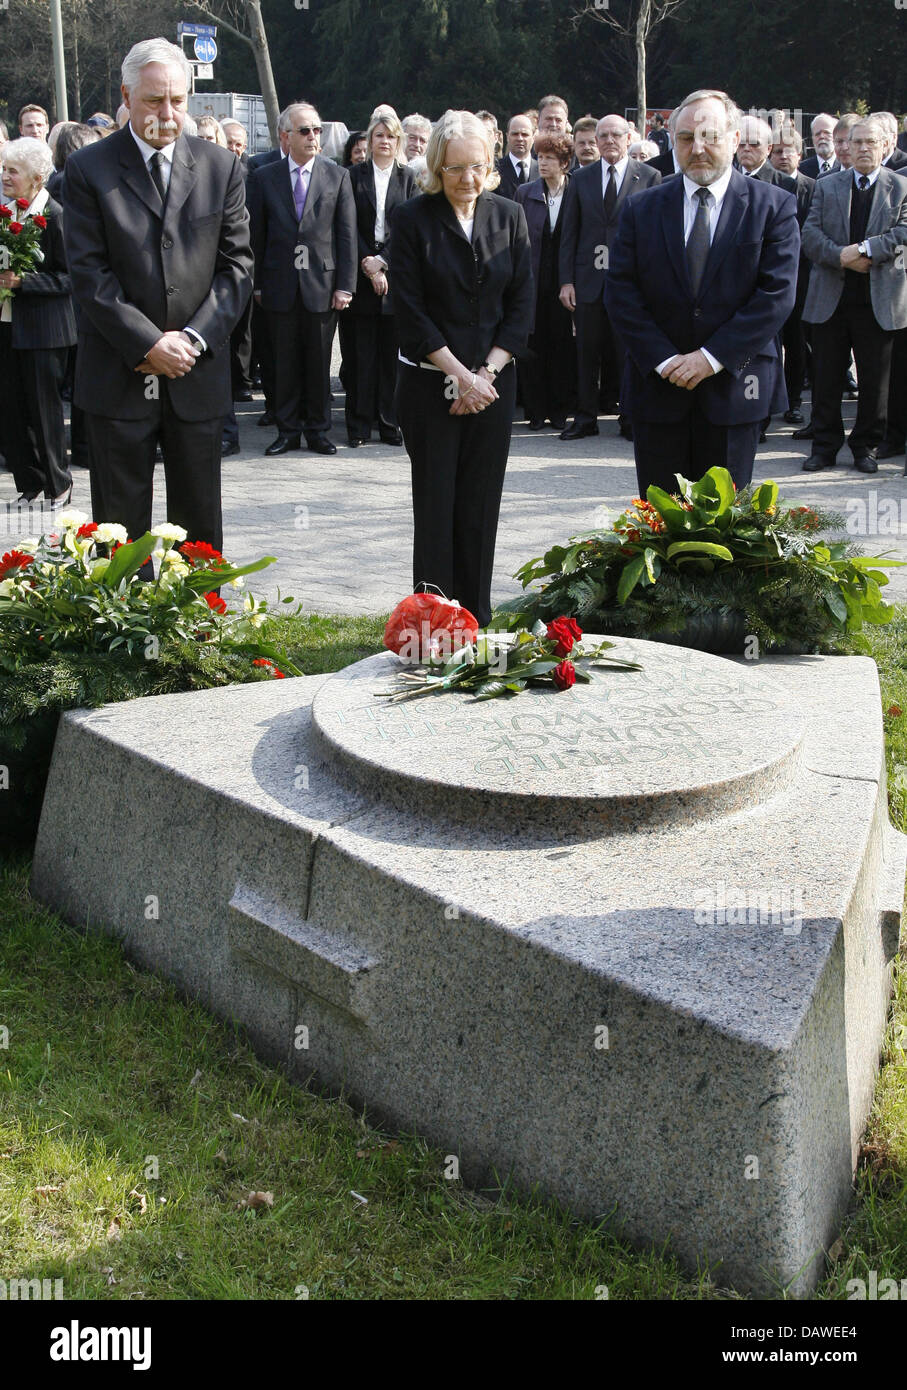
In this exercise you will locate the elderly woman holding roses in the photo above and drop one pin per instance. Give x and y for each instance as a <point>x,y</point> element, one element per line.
<point>37,328</point>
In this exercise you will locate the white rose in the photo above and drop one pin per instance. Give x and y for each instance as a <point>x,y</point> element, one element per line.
<point>175,570</point>
<point>173,557</point>
<point>111,533</point>
<point>166,531</point>
<point>238,582</point>
<point>72,518</point>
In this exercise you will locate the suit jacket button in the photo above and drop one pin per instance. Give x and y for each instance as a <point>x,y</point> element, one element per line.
<point>697,313</point>
<point>171,289</point>
<point>167,243</point>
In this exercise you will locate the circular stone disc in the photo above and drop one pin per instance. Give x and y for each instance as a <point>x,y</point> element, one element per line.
<point>690,735</point>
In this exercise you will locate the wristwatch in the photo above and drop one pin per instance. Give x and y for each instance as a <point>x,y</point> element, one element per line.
<point>863,248</point>
<point>489,368</point>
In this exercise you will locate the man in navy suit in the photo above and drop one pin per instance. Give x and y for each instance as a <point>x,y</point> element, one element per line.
<point>822,128</point>
<point>593,203</point>
<point>702,276</point>
<point>304,238</point>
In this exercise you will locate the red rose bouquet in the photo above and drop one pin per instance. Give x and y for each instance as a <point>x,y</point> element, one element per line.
<point>20,251</point>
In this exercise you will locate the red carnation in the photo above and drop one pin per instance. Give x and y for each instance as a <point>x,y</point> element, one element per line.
<point>200,552</point>
<point>23,203</point>
<point>564,631</point>
<point>13,560</point>
<point>5,211</point>
<point>87,528</point>
<point>261,661</point>
<point>215,603</point>
<point>564,675</point>
<point>39,221</point>
<point>15,228</point>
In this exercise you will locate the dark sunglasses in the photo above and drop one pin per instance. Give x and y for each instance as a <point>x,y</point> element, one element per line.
<point>308,130</point>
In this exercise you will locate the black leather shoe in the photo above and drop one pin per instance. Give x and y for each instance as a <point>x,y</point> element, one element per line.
<point>866,462</point>
<point>266,419</point>
<point>817,461</point>
<point>354,441</point>
<point>393,438</point>
<point>889,449</point>
<point>576,431</point>
<point>794,416</point>
<point>283,444</point>
<point>244,395</point>
<point>228,447</point>
<point>762,436</point>
<point>625,430</point>
<point>320,444</point>
<point>558,425</point>
<point>805,433</point>
<point>536,424</point>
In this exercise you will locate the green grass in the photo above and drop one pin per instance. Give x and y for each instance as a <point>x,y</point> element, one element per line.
<point>106,1067</point>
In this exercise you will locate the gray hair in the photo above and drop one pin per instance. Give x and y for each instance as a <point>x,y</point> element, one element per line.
<point>875,120</point>
<point>285,123</point>
<point>887,119</point>
<point>153,51</point>
<point>457,125</point>
<point>32,156</point>
<point>821,116</point>
<point>758,127</point>
<point>415,122</point>
<point>710,94</point>
<point>644,149</point>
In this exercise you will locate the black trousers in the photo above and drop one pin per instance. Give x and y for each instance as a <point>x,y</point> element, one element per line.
<point>241,352</point>
<point>896,428</point>
<point>302,360</point>
<point>347,347</point>
<point>263,353</point>
<point>598,361</point>
<point>371,373</point>
<point>122,471</point>
<point>852,327</point>
<point>32,431</point>
<point>691,447</point>
<point>458,466</point>
<point>793,339</point>
<point>548,371</point>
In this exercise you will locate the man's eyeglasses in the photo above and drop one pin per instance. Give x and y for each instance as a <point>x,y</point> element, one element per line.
<point>308,130</point>
<point>457,170</point>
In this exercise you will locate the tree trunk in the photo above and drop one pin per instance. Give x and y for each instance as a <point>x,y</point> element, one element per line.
<point>76,78</point>
<point>643,22</point>
<point>259,41</point>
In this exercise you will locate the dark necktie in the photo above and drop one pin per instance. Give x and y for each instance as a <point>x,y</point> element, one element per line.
<point>520,172</point>
<point>700,241</point>
<point>157,174</point>
<point>610,194</point>
<point>863,183</point>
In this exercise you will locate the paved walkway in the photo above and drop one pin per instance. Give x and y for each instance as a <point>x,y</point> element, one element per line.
<point>340,527</point>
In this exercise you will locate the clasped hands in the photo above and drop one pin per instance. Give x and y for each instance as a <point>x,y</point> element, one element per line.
<point>375,269</point>
<point>174,354</point>
<point>473,396</point>
<point>9,280</point>
<point>851,259</point>
<point>687,369</point>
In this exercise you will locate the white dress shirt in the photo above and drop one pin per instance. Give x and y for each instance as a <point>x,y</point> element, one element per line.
<point>718,189</point>
<point>37,205</point>
<point>620,169</point>
<point>382,181</point>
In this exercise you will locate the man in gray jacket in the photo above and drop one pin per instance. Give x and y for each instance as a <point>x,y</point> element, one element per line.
<point>856,238</point>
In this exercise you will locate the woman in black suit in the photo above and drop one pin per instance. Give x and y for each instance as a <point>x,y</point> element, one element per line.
<point>380,185</point>
<point>462,277</point>
<point>37,329</point>
<point>548,373</point>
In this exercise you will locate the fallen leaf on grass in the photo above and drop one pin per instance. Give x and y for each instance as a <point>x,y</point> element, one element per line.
<point>254,1200</point>
<point>142,1201</point>
<point>221,1157</point>
<point>835,1251</point>
<point>241,1118</point>
<point>108,1270</point>
<point>46,1191</point>
<point>195,1080</point>
<point>113,1230</point>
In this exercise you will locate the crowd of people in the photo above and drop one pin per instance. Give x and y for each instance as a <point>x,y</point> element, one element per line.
<point>691,280</point>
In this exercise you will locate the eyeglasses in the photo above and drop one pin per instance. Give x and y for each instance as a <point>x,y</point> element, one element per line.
<point>457,170</point>
<point>308,130</point>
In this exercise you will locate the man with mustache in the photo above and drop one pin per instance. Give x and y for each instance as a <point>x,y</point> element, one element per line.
<point>157,240</point>
<point>702,276</point>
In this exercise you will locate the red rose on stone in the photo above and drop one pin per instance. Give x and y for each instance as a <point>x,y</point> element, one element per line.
<point>215,603</point>
<point>564,675</point>
<point>15,228</point>
<point>39,221</point>
<point>564,631</point>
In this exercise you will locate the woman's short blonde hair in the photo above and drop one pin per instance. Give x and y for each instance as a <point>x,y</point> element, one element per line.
<point>214,125</point>
<point>394,129</point>
<point>457,125</point>
<point>32,156</point>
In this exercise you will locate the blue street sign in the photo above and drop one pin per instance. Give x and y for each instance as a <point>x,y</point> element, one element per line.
<point>184,27</point>
<point>205,49</point>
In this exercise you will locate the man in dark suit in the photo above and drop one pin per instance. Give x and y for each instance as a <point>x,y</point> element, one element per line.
<point>702,276</point>
<point>666,163</point>
<point>518,165</point>
<point>256,161</point>
<point>824,161</point>
<point>593,203</point>
<point>855,236</point>
<point>893,158</point>
<point>787,144</point>
<point>157,240</point>
<point>305,242</point>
